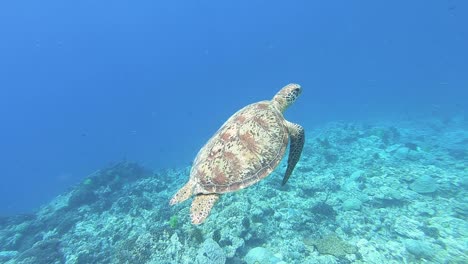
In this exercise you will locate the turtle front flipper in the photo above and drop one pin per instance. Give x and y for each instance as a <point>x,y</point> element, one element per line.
<point>201,207</point>
<point>297,137</point>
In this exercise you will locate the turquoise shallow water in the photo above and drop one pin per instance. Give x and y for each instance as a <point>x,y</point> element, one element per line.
<point>387,191</point>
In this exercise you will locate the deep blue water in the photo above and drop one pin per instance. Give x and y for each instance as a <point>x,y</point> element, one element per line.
<point>85,83</point>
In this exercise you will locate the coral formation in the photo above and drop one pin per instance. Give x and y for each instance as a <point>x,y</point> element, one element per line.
<point>333,245</point>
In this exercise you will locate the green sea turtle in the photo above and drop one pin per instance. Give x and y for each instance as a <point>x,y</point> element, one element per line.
<point>246,149</point>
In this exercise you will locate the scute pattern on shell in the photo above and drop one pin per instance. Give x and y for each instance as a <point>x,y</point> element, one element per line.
<point>246,149</point>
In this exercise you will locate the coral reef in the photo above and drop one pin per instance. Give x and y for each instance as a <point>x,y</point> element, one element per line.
<point>382,192</point>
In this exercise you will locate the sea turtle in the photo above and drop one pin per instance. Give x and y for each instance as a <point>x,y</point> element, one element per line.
<point>246,149</point>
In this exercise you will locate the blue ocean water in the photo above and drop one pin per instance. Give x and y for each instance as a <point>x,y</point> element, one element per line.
<point>87,83</point>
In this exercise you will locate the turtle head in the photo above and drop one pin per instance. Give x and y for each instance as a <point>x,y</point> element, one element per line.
<point>286,96</point>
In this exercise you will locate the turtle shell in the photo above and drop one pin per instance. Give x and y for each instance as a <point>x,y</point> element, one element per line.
<point>246,149</point>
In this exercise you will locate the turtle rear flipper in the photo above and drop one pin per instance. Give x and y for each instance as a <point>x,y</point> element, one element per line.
<point>297,137</point>
<point>201,207</point>
<point>183,194</point>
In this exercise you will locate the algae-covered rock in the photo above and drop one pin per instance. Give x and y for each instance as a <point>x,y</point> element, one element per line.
<point>7,255</point>
<point>332,245</point>
<point>402,153</point>
<point>210,252</point>
<point>419,249</point>
<point>408,227</point>
<point>460,209</point>
<point>261,255</point>
<point>352,204</point>
<point>424,184</point>
<point>45,251</point>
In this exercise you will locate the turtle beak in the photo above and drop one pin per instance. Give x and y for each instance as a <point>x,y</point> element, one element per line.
<point>294,92</point>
